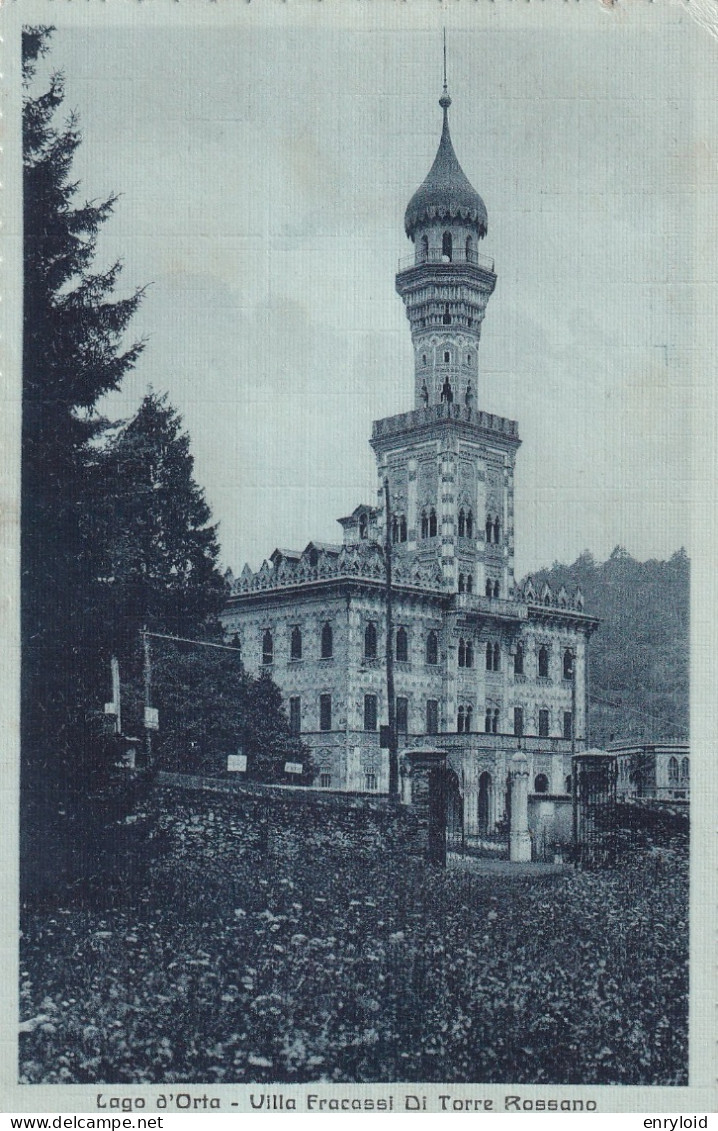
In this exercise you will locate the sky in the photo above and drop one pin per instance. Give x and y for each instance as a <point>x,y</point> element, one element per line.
<point>263,173</point>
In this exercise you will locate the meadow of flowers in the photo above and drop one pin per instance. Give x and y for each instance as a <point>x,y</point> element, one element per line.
<point>243,940</point>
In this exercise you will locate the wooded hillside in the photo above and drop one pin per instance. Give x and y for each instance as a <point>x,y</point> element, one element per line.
<point>639,657</point>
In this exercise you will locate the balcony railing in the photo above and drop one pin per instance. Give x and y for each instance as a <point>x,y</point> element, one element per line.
<point>458,256</point>
<point>390,425</point>
<point>493,606</point>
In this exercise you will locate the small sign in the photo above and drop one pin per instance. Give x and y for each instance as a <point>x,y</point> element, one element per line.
<point>110,708</point>
<point>152,718</point>
<point>237,763</point>
<point>293,768</point>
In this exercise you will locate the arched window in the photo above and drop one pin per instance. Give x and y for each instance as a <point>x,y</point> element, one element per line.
<point>489,528</point>
<point>402,645</point>
<point>423,359</point>
<point>684,769</point>
<point>462,523</point>
<point>370,641</point>
<point>402,528</point>
<point>469,654</point>
<point>497,529</point>
<point>467,720</point>
<point>541,784</point>
<point>495,721</point>
<point>460,721</point>
<point>543,662</point>
<point>432,523</point>
<point>673,770</point>
<point>489,587</point>
<point>447,246</point>
<point>568,664</point>
<point>363,526</point>
<point>424,525</point>
<point>519,660</point>
<point>395,529</point>
<point>327,642</point>
<point>462,653</point>
<point>489,657</point>
<point>447,316</point>
<point>267,648</point>
<point>461,583</point>
<point>469,583</point>
<point>432,648</point>
<point>487,721</point>
<point>295,650</point>
<point>497,657</point>
<point>447,356</point>
<point>468,359</point>
<point>469,523</point>
<point>424,248</point>
<point>469,249</point>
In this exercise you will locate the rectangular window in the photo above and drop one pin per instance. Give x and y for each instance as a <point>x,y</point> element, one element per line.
<point>567,724</point>
<point>325,712</point>
<point>518,720</point>
<point>370,712</point>
<point>432,716</point>
<point>543,724</point>
<point>295,714</point>
<point>402,715</point>
<point>325,780</point>
<point>369,782</point>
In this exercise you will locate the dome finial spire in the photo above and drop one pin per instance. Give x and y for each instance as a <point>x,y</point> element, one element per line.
<point>445,101</point>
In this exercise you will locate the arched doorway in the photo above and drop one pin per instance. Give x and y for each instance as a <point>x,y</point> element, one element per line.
<point>454,813</point>
<point>485,798</point>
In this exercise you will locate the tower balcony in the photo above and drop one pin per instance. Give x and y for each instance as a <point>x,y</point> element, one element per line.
<point>443,415</point>
<point>459,256</point>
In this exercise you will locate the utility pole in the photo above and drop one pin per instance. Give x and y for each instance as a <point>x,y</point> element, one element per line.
<point>573,701</point>
<point>147,678</point>
<point>391,701</point>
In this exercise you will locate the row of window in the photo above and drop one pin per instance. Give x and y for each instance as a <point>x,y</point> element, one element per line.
<point>543,662</point>
<point>464,720</point>
<point>675,772</point>
<point>296,644</point>
<point>447,353</point>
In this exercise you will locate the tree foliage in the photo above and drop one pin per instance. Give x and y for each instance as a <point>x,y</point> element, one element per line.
<point>639,657</point>
<point>73,353</point>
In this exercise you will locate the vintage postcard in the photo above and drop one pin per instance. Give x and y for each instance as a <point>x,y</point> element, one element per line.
<point>359,487</point>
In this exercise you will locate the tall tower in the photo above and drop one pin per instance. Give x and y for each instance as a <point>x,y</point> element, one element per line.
<point>450,466</point>
<point>446,284</point>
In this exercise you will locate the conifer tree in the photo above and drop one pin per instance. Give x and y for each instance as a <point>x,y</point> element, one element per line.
<point>73,353</point>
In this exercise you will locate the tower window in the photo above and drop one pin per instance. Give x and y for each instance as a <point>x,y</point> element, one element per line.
<point>447,316</point>
<point>402,645</point>
<point>685,769</point>
<point>519,660</point>
<point>469,654</point>
<point>462,653</point>
<point>497,657</point>
<point>447,247</point>
<point>461,583</point>
<point>295,650</point>
<point>267,648</point>
<point>295,714</point>
<point>469,523</point>
<point>327,642</point>
<point>518,721</point>
<point>568,664</point>
<point>467,719</point>
<point>363,526</point>
<point>567,724</point>
<point>325,712</point>
<point>432,716</point>
<point>370,712</point>
<point>497,529</point>
<point>432,523</point>
<point>489,528</point>
<point>488,588</point>
<point>370,641</point>
<point>424,248</point>
<point>402,715</point>
<point>395,529</point>
<point>424,525</point>
<point>496,589</point>
<point>460,721</point>
<point>447,356</point>
<point>543,662</point>
<point>423,359</point>
<point>402,528</point>
<point>432,648</point>
<point>468,359</point>
<point>462,523</point>
<point>469,249</point>
<point>469,583</point>
<point>543,723</point>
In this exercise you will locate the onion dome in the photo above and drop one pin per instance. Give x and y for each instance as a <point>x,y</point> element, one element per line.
<point>446,194</point>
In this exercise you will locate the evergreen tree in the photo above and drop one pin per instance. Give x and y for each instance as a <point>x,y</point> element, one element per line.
<point>72,354</point>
